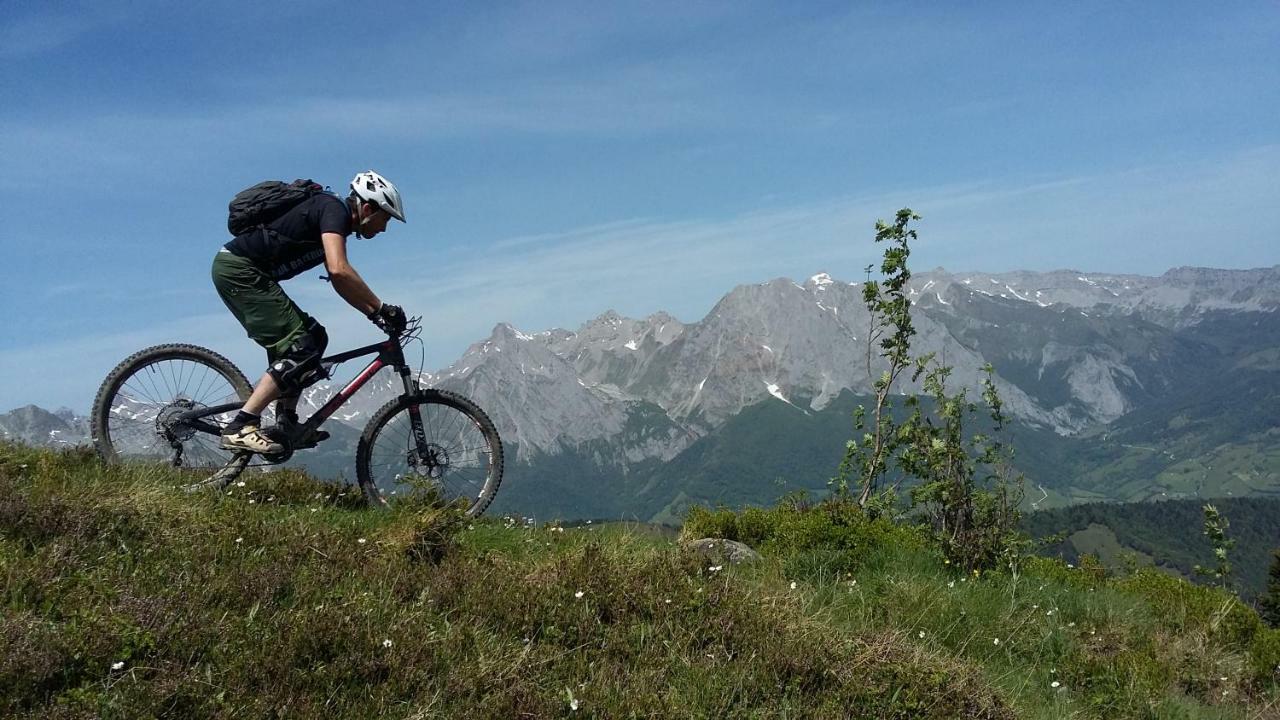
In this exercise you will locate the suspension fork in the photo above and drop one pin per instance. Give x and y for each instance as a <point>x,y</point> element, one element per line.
<point>415,416</point>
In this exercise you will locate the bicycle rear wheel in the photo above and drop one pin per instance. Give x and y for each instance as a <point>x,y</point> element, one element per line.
<point>136,413</point>
<point>432,442</point>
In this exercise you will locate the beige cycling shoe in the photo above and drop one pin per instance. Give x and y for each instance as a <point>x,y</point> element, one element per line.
<point>252,439</point>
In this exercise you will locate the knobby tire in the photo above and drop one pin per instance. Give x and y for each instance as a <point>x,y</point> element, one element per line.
<point>134,367</point>
<point>443,414</point>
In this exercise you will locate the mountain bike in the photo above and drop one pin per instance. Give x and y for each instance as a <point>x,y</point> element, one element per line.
<point>170,402</point>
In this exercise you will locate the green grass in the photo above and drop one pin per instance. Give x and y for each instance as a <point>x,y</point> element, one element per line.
<point>1102,542</point>
<point>124,598</point>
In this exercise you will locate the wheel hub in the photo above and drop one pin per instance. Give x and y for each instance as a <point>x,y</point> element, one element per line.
<point>432,462</point>
<point>169,422</point>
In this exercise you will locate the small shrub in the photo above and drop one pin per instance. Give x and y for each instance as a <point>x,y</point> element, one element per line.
<point>830,537</point>
<point>1092,568</point>
<point>720,523</point>
<point>1182,605</point>
<point>1264,658</point>
<point>430,534</point>
<point>1055,569</point>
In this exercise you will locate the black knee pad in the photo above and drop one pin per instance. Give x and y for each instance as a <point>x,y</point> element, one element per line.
<point>299,366</point>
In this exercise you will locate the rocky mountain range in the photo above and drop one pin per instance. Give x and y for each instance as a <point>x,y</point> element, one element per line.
<point>34,425</point>
<point>640,417</point>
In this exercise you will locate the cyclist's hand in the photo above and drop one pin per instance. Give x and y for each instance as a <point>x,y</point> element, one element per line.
<point>389,319</point>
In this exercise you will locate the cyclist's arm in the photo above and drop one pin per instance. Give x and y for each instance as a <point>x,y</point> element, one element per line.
<point>346,281</point>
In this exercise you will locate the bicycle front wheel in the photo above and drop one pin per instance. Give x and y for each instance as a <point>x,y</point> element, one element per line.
<point>432,442</point>
<point>137,414</point>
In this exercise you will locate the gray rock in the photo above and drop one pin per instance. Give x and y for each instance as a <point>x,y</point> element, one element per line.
<point>719,551</point>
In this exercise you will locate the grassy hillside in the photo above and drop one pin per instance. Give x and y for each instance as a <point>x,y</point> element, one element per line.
<point>285,598</point>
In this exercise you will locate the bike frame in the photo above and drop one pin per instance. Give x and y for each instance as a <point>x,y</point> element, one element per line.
<point>389,353</point>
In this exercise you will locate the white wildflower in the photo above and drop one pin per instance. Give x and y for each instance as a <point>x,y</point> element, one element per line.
<point>240,484</point>
<point>573,704</point>
<point>921,634</point>
<point>362,541</point>
<point>716,568</point>
<point>1055,684</point>
<point>386,643</point>
<point>117,665</point>
<point>315,509</point>
<point>793,584</point>
<point>578,594</point>
<point>951,584</point>
<point>996,641</point>
<point>239,539</point>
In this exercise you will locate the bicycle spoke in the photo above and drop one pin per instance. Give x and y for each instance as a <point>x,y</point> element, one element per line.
<point>206,453</point>
<point>140,391</point>
<point>135,437</point>
<point>149,375</point>
<point>143,417</point>
<point>397,468</point>
<point>200,390</point>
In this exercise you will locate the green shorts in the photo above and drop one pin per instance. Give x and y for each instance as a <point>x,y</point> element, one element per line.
<point>272,318</point>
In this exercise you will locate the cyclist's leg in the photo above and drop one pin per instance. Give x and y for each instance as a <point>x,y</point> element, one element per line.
<point>272,320</point>
<point>298,364</point>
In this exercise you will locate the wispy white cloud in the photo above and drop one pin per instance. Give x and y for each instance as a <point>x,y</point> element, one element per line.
<point>640,266</point>
<point>47,27</point>
<point>33,35</point>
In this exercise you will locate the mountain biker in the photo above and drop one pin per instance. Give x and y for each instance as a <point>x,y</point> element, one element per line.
<point>247,272</point>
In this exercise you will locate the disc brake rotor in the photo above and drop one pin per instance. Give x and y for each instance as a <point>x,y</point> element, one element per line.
<point>433,463</point>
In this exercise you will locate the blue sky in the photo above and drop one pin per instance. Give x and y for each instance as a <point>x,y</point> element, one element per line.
<point>561,159</point>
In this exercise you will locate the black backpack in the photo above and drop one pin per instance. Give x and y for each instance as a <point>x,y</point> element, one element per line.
<point>258,205</point>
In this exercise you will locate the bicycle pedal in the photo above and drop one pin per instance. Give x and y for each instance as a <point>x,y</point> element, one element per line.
<point>313,439</point>
<point>277,432</point>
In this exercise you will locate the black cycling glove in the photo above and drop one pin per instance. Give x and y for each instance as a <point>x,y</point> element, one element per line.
<point>389,319</point>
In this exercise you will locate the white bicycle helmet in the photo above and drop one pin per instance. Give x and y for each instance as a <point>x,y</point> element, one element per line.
<point>371,187</point>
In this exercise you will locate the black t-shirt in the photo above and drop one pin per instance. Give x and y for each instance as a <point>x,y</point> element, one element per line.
<point>292,244</point>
